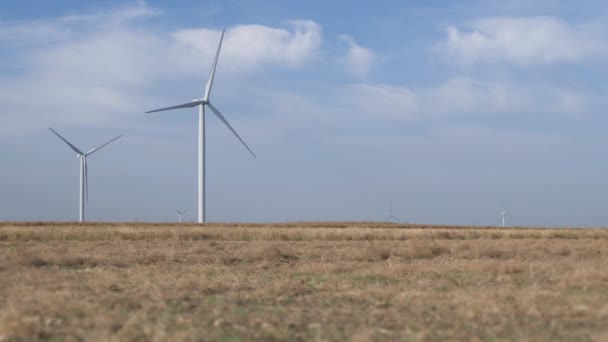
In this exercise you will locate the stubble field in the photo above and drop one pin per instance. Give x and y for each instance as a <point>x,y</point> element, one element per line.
<point>310,281</point>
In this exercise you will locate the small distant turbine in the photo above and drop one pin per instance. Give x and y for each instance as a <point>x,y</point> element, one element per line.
<point>84,171</point>
<point>181,213</point>
<point>391,218</point>
<point>503,213</point>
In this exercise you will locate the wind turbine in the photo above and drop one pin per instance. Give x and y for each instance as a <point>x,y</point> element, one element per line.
<point>201,103</point>
<point>181,213</point>
<point>503,213</point>
<point>390,217</point>
<point>84,171</point>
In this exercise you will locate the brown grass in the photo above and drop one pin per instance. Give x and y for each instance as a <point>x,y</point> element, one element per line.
<point>301,281</point>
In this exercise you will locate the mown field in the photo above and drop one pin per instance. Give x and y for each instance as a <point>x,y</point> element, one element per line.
<point>314,281</point>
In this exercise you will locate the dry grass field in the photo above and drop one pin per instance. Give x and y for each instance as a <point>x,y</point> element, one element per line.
<point>319,282</point>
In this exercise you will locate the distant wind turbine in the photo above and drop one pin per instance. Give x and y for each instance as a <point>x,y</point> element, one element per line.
<point>181,213</point>
<point>84,171</point>
<point>201,103</point>
<point>390,217</point>
<point>503,213</point>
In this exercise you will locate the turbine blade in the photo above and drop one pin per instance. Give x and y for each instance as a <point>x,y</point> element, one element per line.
<point>185,105</point>
<point>179,212</point>
<point>223,119</point>
<point>212,72</point>
<point>67,142</point>
<point>97,148</point>
<point>185,211</point>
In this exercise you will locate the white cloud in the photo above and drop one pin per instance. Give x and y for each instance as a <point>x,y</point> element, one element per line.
<point>498,97</point>
<point>474,142</point>
<point>76,70</point>
<point>381,101</point>
<point>417,123</point>
<point>459,97</point>
<point>70,27</point>
<point>526,41</point>
<point>466,95</point>
<point>358,59</point>
<point>34,32</point>
<point>99,67</point>
<point>458,119</point>
<point>115,17</point>
<point>250,46</point>
<point>96,72</point>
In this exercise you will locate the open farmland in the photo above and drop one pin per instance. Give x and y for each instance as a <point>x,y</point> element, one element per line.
<point>325,281</point>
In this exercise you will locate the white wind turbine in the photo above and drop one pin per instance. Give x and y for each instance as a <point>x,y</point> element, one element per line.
<point>503,213</point>
<point>181,213</point>
<point>201,103</point>
<point>84,171</point>
<point>390,217</point>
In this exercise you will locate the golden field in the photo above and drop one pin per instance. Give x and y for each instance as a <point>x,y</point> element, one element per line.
<point>308,281</point>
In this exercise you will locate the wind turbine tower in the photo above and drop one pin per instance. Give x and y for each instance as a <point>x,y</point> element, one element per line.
<point>84,171</point>
<point>201,103</point>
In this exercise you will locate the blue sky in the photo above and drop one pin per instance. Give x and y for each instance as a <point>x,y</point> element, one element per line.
<point>452,110</point>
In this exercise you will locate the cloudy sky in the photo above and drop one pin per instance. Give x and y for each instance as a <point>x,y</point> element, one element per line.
<point>452,110</point>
